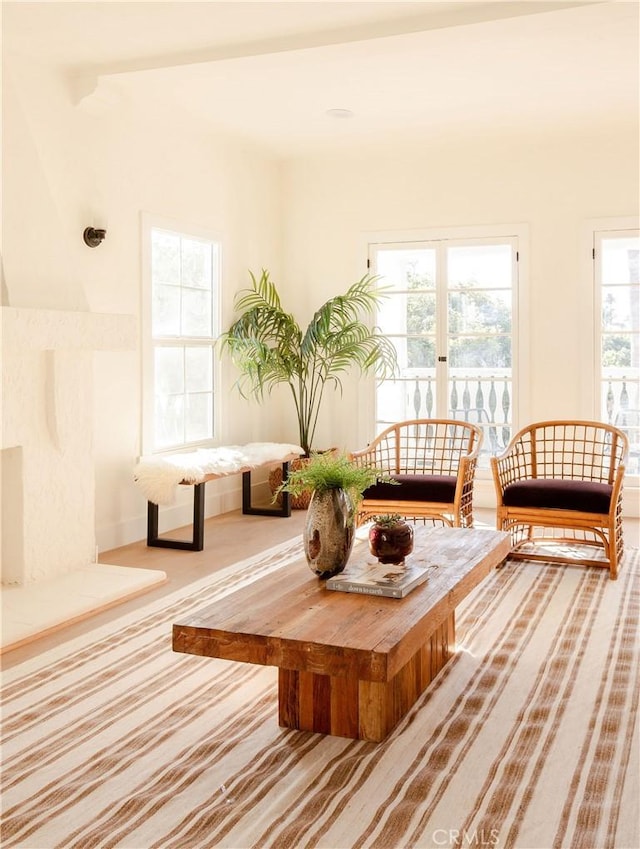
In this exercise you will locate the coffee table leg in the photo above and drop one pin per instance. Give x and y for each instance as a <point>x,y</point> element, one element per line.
<point>322,703</point>
<point>363,710</point>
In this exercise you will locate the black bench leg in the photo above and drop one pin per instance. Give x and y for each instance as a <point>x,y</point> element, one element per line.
<point>284,511</point>
<point>197,541</point>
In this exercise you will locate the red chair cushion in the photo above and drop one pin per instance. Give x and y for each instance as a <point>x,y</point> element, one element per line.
<point>584,496</point>
<point>441,488</point>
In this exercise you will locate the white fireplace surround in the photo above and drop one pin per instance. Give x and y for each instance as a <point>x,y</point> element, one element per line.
<point>48,497</point>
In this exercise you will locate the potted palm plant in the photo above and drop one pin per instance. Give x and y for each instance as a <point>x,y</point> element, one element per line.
<point>269,347</point>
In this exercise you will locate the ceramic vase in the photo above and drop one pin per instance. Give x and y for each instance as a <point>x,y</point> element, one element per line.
<point>329,532</point>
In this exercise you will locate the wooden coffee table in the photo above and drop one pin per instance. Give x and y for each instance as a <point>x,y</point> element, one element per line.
<point>350,665</point>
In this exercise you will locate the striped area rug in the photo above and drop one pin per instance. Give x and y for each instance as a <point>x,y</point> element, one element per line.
<point>528,738</point>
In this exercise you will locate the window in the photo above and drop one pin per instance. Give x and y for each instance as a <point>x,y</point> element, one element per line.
<point>182,278</point>
<point>450,312</point>
<point>617,276</point>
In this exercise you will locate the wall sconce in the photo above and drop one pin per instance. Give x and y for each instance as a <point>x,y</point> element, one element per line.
<point>93,237</point>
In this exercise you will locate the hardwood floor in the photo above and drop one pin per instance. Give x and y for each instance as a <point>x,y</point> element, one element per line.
<point>228,538</point>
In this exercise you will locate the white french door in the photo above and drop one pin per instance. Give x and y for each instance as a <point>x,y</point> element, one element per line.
<point>450,310</point>
<point>617,277</point>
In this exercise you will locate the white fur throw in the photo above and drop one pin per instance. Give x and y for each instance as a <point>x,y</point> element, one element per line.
<point>158,477</point>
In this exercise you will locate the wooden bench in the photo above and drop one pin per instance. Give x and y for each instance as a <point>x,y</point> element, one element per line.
<point>191,470</point>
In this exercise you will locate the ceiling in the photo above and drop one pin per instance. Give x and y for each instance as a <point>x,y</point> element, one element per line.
<point>268,72</point>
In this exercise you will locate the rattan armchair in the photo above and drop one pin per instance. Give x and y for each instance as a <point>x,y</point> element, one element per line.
<point>433,462</point>
<point>560,482</point>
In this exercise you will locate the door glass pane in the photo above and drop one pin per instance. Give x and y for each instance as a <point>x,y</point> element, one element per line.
<point>414,353</point>
<point>480,352</point>
<point>403,313</point>
<point>485,401</point>
<point>407,268</point>
<point>475,312</point>
<point>421,353</point>
<point>620,260</point>
<point>617,350</point>
<point>406,398</point>
<point>421,313</point>
<point>421,395</point>
<point>480,267</point>
<point>391,400</point>
<point>617,307</point>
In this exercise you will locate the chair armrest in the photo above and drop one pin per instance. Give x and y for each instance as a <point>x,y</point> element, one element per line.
<point>362,455</point>
<point>473,455</point>
<point>365,457</point>
<point>467,472</point>
<point>510,466</point>
<point>372,456</point>
<point>616,493</point>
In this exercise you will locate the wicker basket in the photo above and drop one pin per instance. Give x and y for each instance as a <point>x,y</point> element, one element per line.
<point>298,502</point>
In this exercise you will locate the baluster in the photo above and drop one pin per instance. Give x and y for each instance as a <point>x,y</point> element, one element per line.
<point>454,397</point>
<point>506,401</point>
<point>493,403</point>
<point>610,402</point>
<point>466,400</point>
<point>416,400</point>
<point>624,395</point>
<point>493,399</point>
<point>506,406</point>
<point>429,398</point>
<point>480,397</point>
<point>624,402</point>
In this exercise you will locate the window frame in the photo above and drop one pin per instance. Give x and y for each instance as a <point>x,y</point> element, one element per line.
<point>150,222</point>
<point>599,230</point>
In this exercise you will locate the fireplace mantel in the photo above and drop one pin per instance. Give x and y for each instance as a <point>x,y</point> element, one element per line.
<point>72,330</point>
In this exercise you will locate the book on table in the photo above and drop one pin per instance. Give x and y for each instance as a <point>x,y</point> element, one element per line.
<point>381,579</point>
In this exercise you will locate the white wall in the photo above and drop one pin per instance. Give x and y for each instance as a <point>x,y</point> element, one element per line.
<point>554,184</point>
<point>67,167</point>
